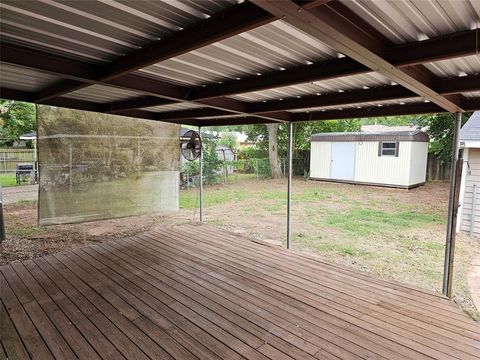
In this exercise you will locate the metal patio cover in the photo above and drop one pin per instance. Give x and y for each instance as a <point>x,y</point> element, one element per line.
<point>221,62</point>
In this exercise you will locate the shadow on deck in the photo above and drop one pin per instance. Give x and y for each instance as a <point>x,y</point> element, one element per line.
<point>195,291</point>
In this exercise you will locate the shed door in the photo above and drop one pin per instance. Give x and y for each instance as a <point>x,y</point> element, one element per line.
<point>342,165</point>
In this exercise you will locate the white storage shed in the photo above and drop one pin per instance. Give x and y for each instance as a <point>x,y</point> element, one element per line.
<point>393,159</point>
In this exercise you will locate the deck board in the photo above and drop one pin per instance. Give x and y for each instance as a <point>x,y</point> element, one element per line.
<point>197,292</point>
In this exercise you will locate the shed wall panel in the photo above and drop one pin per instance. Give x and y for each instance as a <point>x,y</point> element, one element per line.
<point>320,160</point>
<point>371,168</point>
<point>418,162</point>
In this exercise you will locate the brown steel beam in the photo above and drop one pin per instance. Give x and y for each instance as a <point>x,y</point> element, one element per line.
<point>379,94</point>
<point>31,58</point>
<point>404,55</point>
<point>190,114</point>
<point>328,26</point>
<point>354,113</point>
<point>472,104</point>
<point>71,103</point>
<point>322,70</point>
<point>81,72</point>
<point>457,85</point>
<point>351,97</point>
<point>137,103</point>
<point>232,21</point>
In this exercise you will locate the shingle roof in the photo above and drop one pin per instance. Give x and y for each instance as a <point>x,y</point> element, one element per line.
<point>409,135</point>
<point>471,129</point>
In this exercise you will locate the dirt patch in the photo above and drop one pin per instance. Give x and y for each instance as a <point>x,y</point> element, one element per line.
<point>27,240</point>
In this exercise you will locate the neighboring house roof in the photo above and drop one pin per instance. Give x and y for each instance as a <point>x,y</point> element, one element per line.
<point>384,128</point>
<point>471,130</point>
<point>409,135</point>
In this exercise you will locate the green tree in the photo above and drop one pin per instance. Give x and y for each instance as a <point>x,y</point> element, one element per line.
<point>302,132</point>
<point>440,129</point>
<point>16,118</point>
<point>228,139</point>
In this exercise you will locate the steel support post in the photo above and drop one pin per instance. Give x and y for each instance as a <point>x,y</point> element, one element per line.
<point>2,221</point>
<point>452,209</point>
<point>200,160</point>
<point>289,195</point>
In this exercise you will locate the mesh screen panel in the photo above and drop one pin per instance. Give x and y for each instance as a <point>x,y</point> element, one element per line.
<point>99,166</point>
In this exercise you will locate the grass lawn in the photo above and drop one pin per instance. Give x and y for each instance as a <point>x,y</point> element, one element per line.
<point>395,234</point>
<point>7,180</point>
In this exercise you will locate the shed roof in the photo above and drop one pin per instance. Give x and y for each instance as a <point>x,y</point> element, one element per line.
<point>395,135</point>
<point>214,62</point>
<point>471,129</point>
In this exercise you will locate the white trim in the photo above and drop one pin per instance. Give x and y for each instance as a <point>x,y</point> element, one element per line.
<point>466,153</point>
<point>470,144</point>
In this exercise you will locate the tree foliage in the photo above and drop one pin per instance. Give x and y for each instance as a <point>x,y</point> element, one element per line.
<point>302,132</point>
<point>440,129</point>
<point>16,118</point>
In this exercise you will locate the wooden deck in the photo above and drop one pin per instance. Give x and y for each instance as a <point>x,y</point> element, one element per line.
<point>197,292</point>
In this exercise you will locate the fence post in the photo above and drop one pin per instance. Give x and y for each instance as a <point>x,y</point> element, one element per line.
<point>4,162</point>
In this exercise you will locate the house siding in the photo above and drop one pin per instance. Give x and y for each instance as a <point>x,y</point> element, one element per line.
<point>472,176</point>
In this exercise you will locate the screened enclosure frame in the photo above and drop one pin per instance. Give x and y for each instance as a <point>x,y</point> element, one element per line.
<point>253,62</point>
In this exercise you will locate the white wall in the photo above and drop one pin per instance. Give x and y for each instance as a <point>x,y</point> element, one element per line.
<point>418,162</point>
<point>320,156</point>
<point>391,170</point>
<point>470,179</point>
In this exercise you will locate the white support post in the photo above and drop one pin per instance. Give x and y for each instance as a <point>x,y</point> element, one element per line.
<point>289,195</point>
<point>452,210</point>
<point>200,160</point>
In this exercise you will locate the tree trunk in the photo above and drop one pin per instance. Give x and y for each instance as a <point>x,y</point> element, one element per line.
<point>276,172</point>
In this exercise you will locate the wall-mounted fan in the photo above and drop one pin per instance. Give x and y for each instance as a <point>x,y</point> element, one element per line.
<point>191,145</point>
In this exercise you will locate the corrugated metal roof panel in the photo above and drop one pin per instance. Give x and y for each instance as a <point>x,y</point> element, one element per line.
<point>99,30</point>
<point>102,94</point>
<point>467,65</point>
<point>176,106</point>
<point>267,48</point>
<point>413,20</point>
<point>472,94</point>
<point>405,102</point>
<point>321,87</point>
<point>19,78</point>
